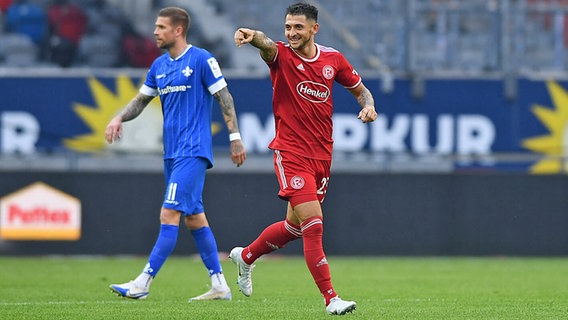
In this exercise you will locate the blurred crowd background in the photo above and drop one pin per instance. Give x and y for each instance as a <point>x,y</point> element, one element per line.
<point>64,33</point>
<point>377,36</point>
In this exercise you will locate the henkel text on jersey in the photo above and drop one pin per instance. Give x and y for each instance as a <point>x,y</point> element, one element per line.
<point>312,91</point>
<point>302,99</point>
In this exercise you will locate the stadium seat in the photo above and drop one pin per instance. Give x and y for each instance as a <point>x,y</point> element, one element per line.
<point>27,18</point>
<point>95,50</point>
<point>17,50</point>
<point>67,20</point>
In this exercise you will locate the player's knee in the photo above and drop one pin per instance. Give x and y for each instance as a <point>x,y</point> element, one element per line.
<point>169,216</point>
<point>196,221</point>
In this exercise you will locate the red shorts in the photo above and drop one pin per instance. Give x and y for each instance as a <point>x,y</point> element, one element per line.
<point>301,179</point>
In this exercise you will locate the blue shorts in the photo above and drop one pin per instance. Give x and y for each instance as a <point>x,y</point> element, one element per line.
<point>185,178</point>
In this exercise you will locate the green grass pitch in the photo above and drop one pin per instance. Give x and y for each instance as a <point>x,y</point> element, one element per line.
<point>384,288</point>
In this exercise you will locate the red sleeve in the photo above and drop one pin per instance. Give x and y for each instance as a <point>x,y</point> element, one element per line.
<point>346,74</point>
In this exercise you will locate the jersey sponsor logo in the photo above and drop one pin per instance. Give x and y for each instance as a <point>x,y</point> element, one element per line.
<point>328,72</point>
<point>214,66</point>
<point>187,71</point>
<point>297,182</point>
<point>313,91</point>
<point>170,89</point>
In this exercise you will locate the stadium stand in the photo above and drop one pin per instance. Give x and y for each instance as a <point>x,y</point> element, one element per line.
<point>4,4</point>
<point>27,18</point>
<point>17,50</point>
<point>472,37</point>
<point>67,20</point>
<point>97,50</point>
<point>138,51</point>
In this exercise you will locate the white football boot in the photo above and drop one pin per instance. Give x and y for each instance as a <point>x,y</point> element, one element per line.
<point>340,307</point>
<point>130,290</point>
<point>214,293</point>
<point>244,279</point>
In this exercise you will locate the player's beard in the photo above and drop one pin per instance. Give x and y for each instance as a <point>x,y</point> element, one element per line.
<point>165,45</point>
<point>301,44</point>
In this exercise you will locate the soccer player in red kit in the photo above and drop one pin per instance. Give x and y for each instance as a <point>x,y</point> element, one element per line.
<point>302,74</point>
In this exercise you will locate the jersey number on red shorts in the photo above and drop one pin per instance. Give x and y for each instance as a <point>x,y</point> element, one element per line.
<point>323,188</point>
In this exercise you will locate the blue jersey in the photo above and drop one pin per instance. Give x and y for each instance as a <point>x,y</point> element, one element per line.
<point>186,86</point>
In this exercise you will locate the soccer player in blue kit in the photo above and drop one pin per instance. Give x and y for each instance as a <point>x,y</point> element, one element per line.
<point>186,78</point>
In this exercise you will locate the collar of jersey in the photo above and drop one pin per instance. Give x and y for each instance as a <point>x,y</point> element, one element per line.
<point>306,59</point>
<point>181,55</point>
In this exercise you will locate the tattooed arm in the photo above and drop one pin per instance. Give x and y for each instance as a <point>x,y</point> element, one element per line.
<point>367,103</point>
<point>113,130</point>
<point>225,99</point>
<point>257,39</point>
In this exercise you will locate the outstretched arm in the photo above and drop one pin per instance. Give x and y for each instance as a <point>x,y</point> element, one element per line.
<point>225,99</point>
<point>367,103</point>
<point>113,130</point>
<point>258,40</point>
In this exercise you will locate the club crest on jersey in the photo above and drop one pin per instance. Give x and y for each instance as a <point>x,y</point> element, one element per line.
<point>187,71</point>
<point>328,72</point>
<point>297,182</point>
<point>313,91</point>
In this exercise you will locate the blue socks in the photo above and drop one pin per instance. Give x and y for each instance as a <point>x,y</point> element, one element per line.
<point>207,247</point>
<point>162,249</point>
<point>166,243</point>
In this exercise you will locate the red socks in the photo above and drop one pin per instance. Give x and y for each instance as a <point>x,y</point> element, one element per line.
<point>312,231</point>
<point>274,237</point>
<point>278,234</point>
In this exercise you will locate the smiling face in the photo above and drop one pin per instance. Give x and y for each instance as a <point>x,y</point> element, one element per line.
<point>300,32</point>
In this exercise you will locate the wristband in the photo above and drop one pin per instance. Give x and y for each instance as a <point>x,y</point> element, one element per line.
<point>234,136</point>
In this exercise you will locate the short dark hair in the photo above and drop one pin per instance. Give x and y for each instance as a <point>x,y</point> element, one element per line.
<point>178,16</point>
<point>303,8</point>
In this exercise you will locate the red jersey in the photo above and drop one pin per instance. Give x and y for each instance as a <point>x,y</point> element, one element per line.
<point>302,102</point>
